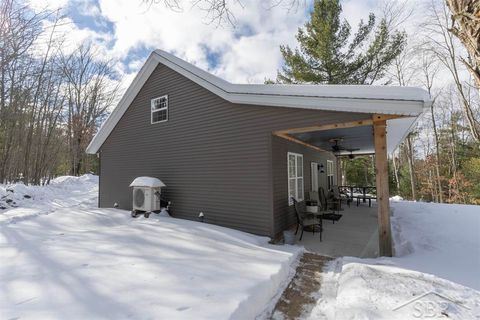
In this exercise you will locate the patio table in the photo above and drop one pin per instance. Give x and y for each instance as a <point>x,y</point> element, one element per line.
<point>331,215</point>
<point>364,198</point>
<point>360,192</point>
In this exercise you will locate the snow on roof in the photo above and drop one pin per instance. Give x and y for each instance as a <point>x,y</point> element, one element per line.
<point>406,101</point>
<point>299,90</point>
<point>147,182</point>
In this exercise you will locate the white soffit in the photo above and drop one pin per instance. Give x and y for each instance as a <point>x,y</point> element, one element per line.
<point>408,101</point>
<point>397,131</point>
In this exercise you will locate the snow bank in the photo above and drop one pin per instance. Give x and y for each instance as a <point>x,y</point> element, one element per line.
<point>19,202</point>
<point>441,239</point>
<point>262,299</point>
<point>81,262</point>
<point>367,291</point>
<point>396,198</point>
<point>436,269</point>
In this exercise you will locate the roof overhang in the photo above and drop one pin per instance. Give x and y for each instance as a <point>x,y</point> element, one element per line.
<point>404,101</point>
<point>354,137</point>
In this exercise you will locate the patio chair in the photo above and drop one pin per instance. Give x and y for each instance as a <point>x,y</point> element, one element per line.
<point>340,196</point>
<point>314,196</point>
<point>306,219</point>
<point>329,203</point>
<point>329,214</point>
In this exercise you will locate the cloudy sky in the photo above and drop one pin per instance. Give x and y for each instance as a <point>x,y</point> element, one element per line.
<point>128,30</point>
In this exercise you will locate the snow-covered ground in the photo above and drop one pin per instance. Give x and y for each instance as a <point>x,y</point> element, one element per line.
<point>435,274</point>
<point>441,239</point>
<point>63,258</point>
<point>19,202</point>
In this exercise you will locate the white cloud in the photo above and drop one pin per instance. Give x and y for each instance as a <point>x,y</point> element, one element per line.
<point>47,5</point>
<point>249,57</point>
<point>246,54</point>
<point>87,7</point>
<point>72,36</point>
<point>354,11</point>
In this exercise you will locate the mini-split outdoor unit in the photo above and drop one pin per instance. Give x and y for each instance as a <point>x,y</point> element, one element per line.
<point>146,195</point>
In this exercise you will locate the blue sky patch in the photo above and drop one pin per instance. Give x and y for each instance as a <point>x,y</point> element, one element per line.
<point>213,58</point>
<point>86,15</point>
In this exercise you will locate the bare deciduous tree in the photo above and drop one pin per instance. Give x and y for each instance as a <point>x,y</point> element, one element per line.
<point>429,68</point>
<point>465,25</point>
<point>443,44</point>
<point>221,11</point>
<point>50,103</point>
<point>89,94</point>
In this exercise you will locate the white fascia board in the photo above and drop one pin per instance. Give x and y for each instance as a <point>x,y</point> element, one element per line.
<point>362,99</point>
<point>413,108</point>
<point>337,91</point>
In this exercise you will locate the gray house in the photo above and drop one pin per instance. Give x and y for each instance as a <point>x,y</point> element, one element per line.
<point>237,152</point>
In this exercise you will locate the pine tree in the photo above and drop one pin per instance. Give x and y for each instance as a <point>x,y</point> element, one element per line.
<point>330,54</point>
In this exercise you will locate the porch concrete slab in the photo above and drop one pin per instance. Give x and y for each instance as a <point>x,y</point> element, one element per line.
<point>355,234</point>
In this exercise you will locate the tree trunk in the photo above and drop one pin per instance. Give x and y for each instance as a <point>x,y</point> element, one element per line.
<point>395,170</point>
<point>465,16</point>
<point>437,157</point>
<point>410,167</point>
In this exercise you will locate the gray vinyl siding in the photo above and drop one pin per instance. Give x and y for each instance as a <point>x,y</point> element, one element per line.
<point>284,215</point>
<point>214,156</point>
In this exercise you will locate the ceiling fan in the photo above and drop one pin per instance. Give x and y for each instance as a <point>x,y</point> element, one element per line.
<point>336,147</point>
<point>351,155</point>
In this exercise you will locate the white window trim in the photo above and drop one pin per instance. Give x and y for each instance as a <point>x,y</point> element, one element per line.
<point>314,176</point>
<point>331,173</point>
<point>152,110</point>
<point>330,162</point>
<point>297,157</point>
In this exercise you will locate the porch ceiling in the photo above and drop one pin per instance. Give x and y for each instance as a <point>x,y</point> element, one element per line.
<point>355,137</point>
<point>352,138</point>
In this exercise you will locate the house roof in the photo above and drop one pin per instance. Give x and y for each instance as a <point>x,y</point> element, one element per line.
<point>405,101</point>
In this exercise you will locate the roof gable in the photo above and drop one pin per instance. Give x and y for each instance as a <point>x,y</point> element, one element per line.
<point>407,101</point>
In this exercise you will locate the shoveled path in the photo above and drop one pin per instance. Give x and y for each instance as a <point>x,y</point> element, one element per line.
<point>298,298</point>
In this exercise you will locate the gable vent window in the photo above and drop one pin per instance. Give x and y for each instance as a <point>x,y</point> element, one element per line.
<point>159,109</point>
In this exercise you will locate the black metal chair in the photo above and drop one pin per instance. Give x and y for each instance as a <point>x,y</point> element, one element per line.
<point>333,204</point>
<point>306,219</point>
<point>322,206</point>
<point>338,195</point>
<point>325,207</point>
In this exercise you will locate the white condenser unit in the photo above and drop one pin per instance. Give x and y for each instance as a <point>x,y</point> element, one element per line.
<point>146,195</point>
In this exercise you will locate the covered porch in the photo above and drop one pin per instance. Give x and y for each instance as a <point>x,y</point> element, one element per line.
<point>355,234</point>
<point>363,230</point>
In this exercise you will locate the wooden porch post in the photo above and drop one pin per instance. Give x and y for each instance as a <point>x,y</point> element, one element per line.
<point>381,177</point>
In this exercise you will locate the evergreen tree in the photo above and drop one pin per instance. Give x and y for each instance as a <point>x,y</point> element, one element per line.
<point>329,53</point>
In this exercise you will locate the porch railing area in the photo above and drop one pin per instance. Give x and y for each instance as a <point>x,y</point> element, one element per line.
<point>363,192</point>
